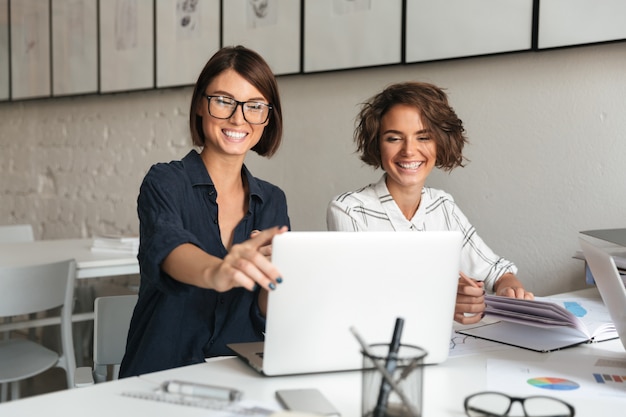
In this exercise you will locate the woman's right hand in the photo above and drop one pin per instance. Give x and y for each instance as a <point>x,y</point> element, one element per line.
<point>248,265</point>
<point>470,300</point>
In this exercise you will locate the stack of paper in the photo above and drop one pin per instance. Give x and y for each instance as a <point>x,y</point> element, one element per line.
<point>120,244</point>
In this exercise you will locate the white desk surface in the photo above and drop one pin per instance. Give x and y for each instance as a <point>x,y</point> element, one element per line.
<point>445,386</point>
<point>88,264</point>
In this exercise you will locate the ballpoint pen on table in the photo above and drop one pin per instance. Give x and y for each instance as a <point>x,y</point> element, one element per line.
<point>390,366</point>
<point>386,376</point>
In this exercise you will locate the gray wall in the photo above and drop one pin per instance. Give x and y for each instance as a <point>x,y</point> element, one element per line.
<point>546,132</point>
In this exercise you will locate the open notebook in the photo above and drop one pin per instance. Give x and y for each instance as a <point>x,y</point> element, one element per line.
<point>335,280</point>
<point>545,323</point>
<point>551,323</point>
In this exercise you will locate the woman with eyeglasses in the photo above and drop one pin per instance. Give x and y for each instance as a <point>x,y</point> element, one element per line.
<point>407,130</point>
<point>206,224</point>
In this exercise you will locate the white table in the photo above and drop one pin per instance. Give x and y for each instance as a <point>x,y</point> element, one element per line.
<point>446,385</point>
<point>88,264</point>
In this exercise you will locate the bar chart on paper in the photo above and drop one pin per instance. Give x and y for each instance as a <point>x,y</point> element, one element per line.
<point>607,378</point>
<point>611,377</point>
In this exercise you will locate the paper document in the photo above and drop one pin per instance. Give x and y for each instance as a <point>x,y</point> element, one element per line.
<point>545,324</point>
<point>568,377</point>
<point>214,407</point>
<point>118,244</point>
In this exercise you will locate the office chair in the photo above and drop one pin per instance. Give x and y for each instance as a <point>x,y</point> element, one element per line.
<point>31,289</point>
<point>111,323</point>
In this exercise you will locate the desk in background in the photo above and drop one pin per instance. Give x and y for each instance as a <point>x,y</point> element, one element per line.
<point>88,264</point>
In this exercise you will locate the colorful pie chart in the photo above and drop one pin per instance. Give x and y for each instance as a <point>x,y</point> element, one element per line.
<point>555,384</point>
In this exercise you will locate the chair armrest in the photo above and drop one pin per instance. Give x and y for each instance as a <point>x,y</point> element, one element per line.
<point>83,377</point>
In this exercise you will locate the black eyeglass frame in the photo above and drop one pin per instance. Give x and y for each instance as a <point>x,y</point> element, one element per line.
<point>520,400</point>
<point>239,103</point>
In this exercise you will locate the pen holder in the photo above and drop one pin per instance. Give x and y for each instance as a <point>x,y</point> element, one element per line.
<point>399,392</point>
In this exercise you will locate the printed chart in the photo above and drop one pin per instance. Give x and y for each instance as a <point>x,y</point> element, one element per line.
<point>565,378</point>
<point>555,384</point>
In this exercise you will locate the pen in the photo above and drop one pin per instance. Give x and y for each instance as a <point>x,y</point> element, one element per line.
<point>201,390</point>
<point>390,366</point>
<point>387,377</point>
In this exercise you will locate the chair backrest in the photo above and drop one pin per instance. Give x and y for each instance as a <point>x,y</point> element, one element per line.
<point>33,288</point>
<point>16,233</point>
<point>111,323</point>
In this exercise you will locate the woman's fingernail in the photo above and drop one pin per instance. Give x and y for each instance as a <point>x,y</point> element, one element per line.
<point>279,280</point>
<point>272,286</point>
<point>256,287</point>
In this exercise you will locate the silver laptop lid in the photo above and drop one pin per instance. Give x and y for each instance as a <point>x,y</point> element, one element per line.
<point>617,236</point>
<point>334,280</point>
<point>609,283</point>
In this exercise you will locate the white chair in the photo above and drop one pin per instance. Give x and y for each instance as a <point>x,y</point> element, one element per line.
<point>111,323</point>
<point>16,233</point>
<point>32,289</point>
<point>9,234</point>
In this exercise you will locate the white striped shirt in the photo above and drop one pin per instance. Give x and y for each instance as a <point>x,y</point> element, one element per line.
<point>372,208</point>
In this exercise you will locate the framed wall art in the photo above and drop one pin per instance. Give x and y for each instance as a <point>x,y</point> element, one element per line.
<point>341,34</point>
<point>4,50</point>
<point>30,49</point>
<point>270,27</point>
<point>187,34</point>
<point>126,45</point>
<point>578,22</point>
<point>459,28</point>
<point>74,47</point>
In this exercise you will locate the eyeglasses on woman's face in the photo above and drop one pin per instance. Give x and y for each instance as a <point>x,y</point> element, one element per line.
<point>496,404</point>
<point>254,112</point>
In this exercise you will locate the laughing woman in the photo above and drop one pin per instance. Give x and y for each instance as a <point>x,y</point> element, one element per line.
<point>205,271</point>
<point>407,130</point>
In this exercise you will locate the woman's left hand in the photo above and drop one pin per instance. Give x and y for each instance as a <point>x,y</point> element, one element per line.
<point>515,292</point>
<point>509,286</point>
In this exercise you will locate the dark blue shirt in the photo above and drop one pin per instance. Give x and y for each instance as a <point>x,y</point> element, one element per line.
<point>175,324</point>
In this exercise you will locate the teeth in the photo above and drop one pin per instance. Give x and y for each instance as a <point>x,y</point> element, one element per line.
<point>234,135</point>
<point>409,165</point>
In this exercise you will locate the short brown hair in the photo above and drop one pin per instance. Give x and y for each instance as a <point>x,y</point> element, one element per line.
<point>437,115</point>
<point>253,68</point>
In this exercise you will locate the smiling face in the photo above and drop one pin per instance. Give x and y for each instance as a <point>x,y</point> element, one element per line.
<point>233,136</point>
<point>408,150</point>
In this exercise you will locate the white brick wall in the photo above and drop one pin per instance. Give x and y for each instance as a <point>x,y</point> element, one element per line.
<point>72,166</point>
<point>547,148</point>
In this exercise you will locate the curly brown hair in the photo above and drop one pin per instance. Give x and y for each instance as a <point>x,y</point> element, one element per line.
<point>253,68</point>
<point>437,116</point>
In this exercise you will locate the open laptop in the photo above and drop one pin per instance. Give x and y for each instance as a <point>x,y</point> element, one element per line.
<point>335,280</point>
<point>609,283</point>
